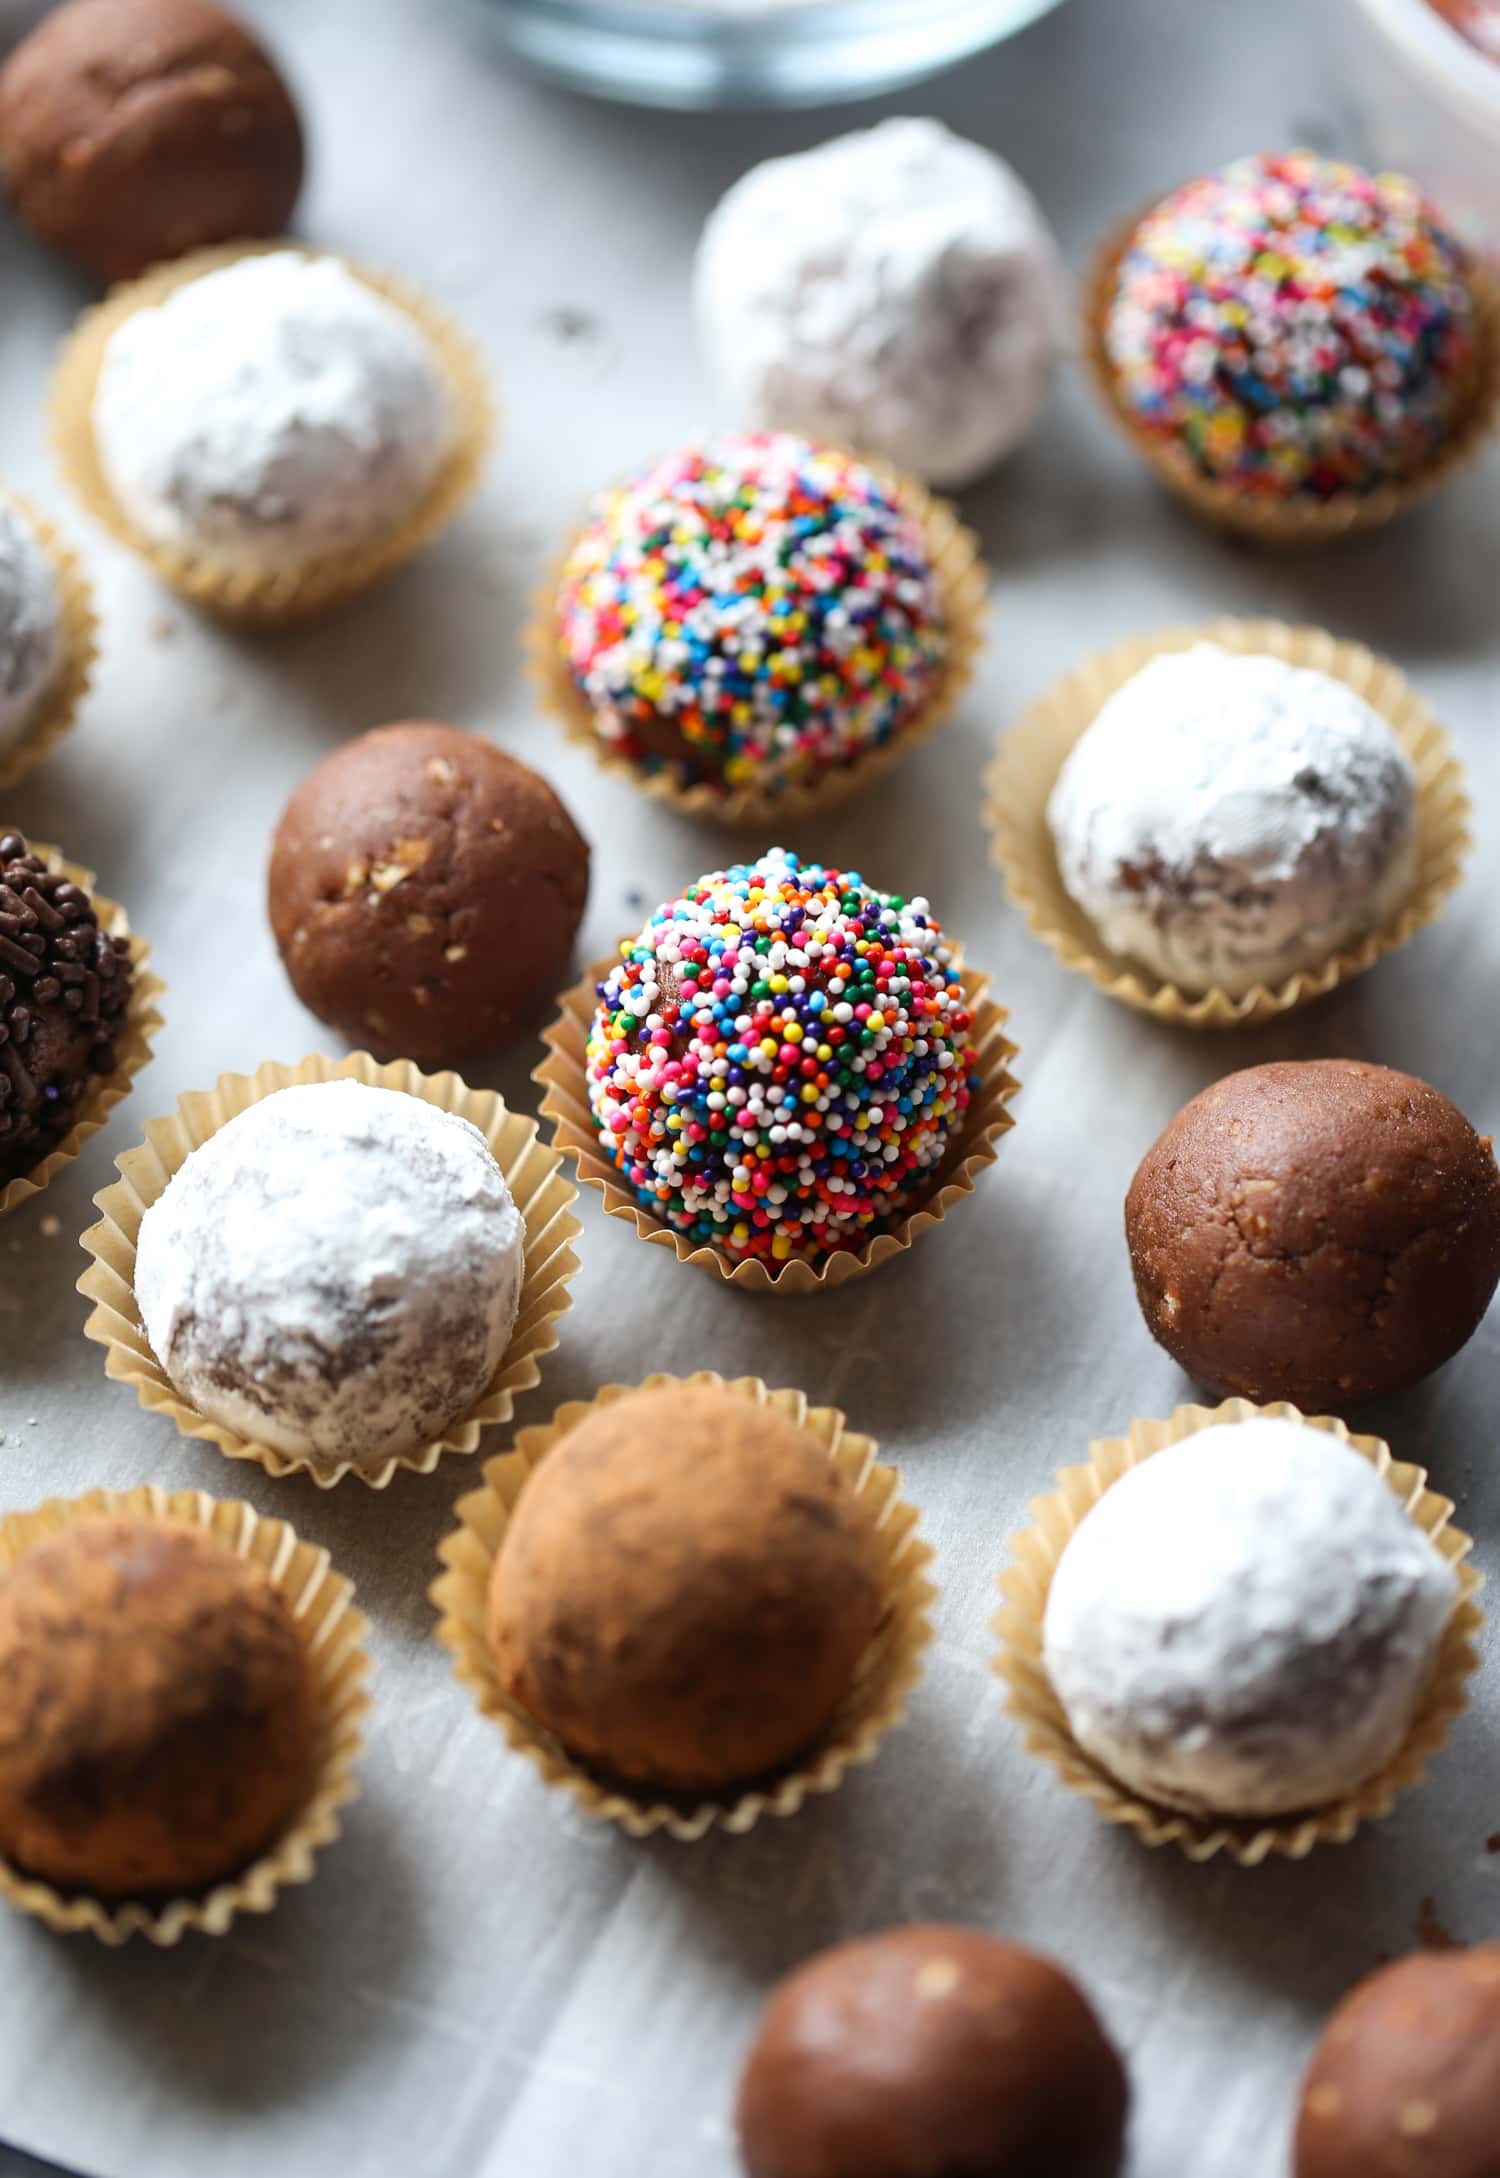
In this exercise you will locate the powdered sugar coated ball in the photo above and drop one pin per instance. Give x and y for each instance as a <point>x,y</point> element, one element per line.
<point>1229,819</point>
<point>335,1272</point>
<point>30,624</point>
<point>276,409</point>
<point>1246,1623</point>
<point>896,289</point>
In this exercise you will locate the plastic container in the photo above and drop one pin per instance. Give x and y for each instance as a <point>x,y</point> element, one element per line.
<point>710,53</point>
<point>1430,103</point>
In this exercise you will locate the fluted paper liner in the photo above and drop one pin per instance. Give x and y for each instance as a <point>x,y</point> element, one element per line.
<point>57,707</point>
<point>875,1703</point>
<point>543,1194</point>
<point>132,1048</point>
<point>565,1104</point>
<point>953,552</point>
<point>332,1634</point>
<point>1301,523</point>
<point>1030,757</point>
<point>264,595</point>
<point>1025,1585</point>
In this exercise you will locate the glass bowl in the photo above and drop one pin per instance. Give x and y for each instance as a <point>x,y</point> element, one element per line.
<point>742,53</point>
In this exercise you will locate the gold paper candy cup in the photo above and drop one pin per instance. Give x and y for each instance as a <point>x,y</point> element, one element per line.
<point>953,552</point>
<point>876,1702</point>
<point>332,1635</point>
<point>58,707</point>
<point>565,1105</point>
<point>133,1049</point>
<point>254,595</point>
<point>1292,524</point>
<point>1029,759</point>
<point>1249,1840</point>
<point>543,1195</point>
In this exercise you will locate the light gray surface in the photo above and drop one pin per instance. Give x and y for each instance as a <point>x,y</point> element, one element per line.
<point>475,1985</point>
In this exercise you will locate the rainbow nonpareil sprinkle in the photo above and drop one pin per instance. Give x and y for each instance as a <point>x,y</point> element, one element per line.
<point>752,611</point>
<point>781,1058</point>
<point>1296,325</point>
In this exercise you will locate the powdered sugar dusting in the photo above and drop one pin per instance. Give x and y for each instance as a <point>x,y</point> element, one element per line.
<point>895,290</point>
<point>1247,1622</point>
<point>336,1272</point>
<point>1230,819</point>
<point>30,624</point>
<point>277,408</point>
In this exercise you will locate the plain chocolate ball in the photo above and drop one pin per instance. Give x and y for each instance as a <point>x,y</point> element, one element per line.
<point>425,892</point>
<point>135,130</point>
<point>1318,1231</point>
<point>1406,2080</point>
<point>156,1713</point>
<point>686,1589</point>
<point>931,2053</point>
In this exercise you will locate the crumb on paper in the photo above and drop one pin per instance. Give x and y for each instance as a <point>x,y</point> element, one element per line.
<point>51,1227</point>
<point>163,628</point>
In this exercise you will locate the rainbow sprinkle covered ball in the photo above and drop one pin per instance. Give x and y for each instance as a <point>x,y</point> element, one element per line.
<point>751,612</point>
<point>781,1058</point>
<point>1296,326</point>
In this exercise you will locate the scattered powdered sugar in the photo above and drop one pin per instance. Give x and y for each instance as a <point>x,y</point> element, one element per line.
<point>335,1272</point>
<point>277,408</point>
<point>1229,819</point>
<point>30,624</point>
<point>896,290</point>
<point>1247,1622</point>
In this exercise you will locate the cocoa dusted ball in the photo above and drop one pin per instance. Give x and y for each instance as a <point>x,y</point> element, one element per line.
<point>425,892</point>
<point>156,1716</point>
<point>1321,1231</point>
<point>134,130</point>
<point>685,1590</point>
<point>1404,2081</point>
<point>64,994</point>
<point>931,2053</point>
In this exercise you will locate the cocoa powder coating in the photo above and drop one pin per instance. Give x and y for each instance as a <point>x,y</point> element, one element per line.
<point>686,1589</point>
<point>1319,1231</point>
<point>931,2052</point>
<point>156,1717</point>
<point>425,892</point>
<point>135,130</point>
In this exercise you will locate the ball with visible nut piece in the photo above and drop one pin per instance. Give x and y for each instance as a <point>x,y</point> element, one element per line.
<point>156,1716</point>
<point>932,2052</point>
<point>135,130</point>
<point>1321,1231</point>
<point>1403,2083</point>
<point>425,892</point>
<point>685,1590</point>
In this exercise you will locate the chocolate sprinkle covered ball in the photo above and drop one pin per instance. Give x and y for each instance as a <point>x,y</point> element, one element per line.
<point>134,130</point>
<point>781,1059</point>
<point>156,1715</point>
<point>1320,1231</point>
<point>1404,2081</point>
<point>1299,328</point>
<point>931,2052</point>
<point>685,1590</point>
<point>752,612</point>
<point>64,993</point>
<point>425,892</point>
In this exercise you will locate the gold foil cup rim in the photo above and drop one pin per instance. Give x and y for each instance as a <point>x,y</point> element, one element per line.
<point>565,1104</point>
<point>543,1193</point>
<point>254,595</point>
<point>874,1705</point>
<point>58,706</point>
<point>1249,1840</point>
<point>1292,524</point>
<point>953,552</point>
<point>132,1047</point>
<point>1031,755</point>
<point>332,1634</point>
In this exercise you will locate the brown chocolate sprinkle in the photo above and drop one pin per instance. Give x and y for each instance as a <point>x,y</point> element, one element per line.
<point>64,993</point>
